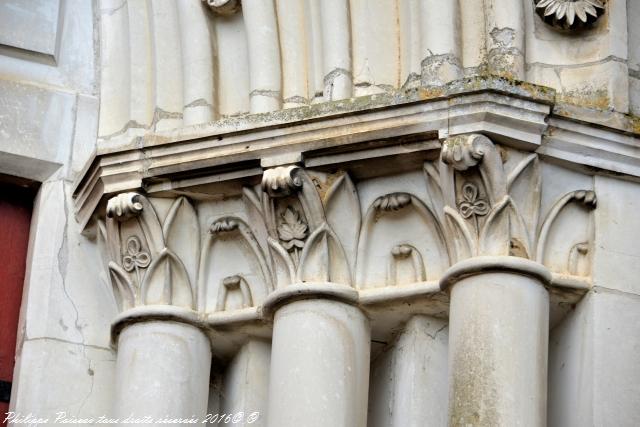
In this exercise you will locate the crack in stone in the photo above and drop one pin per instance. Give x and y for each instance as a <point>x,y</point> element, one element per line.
<point>332,75</point>
<point>610,58</point>
<point>111,11</point>
<point>63,262</point>
<point>200,102</point>
<point>435,335</point>
<point>265,92</point>
<point>131,124</point>
<point>296,100</point>
<point>63,341</point>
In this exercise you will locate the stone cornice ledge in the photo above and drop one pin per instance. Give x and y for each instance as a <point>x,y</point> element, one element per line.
<point>511,113</point>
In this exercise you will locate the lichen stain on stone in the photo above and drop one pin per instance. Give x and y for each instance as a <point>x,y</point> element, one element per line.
<point>635,124</point>
<point>474,402</point>
<point>503,37</point>
<point>587,97</point>
<point>324,186</point>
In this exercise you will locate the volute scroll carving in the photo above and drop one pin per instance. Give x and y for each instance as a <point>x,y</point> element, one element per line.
<point>302,242</point>
<point>321,229</point>
<point>147,262</point>
<point>485,210</point>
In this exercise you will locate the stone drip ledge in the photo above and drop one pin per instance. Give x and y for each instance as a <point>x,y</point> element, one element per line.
<point>519,115</point>
<point>229,328</point>
<point>332,109</point>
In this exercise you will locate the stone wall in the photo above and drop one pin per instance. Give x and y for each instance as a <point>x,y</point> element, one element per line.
<point>49,104</point>
<point>294,203</point>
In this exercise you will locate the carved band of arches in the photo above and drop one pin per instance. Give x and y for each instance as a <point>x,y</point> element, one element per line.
<point>479,199</point>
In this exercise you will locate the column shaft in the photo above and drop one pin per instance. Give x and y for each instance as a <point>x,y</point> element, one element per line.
<point>319,365</point>
<point>162,370</point>
<point>498,337</point>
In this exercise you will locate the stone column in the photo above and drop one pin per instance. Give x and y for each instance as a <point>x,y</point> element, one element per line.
<point>498,339</point>
<point>164,357</point>
<point>162,372</point>
<point>320,357</point>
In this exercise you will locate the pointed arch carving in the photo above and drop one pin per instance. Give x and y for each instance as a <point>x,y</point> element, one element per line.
<point>375,248</point>
<point>142,266</point>
<point>223,231</point>
<point>301,226</point>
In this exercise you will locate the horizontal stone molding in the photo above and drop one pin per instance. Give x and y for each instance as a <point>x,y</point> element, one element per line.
<point>333,291</point>
<point>511,114</point>
<point>491,264</point>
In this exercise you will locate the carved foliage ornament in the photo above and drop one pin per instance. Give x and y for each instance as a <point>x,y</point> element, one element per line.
<point>480,200</point>
<point>149,262</point>
<point>510,223</point>
<point>570,14</point>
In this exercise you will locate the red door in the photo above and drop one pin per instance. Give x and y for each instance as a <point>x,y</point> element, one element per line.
<point>15,215</point>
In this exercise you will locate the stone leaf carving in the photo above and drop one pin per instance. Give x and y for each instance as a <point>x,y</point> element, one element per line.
<point>587,199</point>
<point>342,208</point>
<point>405,266</point>
<point>481,199</point>
<point>292,231</point>
<point>232,255</point>
<point>232,284</point>
<point>143,262</point>
<point>398,226</point>
<point>506,222</point>
<point>472,159</point>
<point>303,245</point>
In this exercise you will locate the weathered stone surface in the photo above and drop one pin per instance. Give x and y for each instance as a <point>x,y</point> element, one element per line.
<point>389,143</point>
<point>593,365</point>
<point>36,124</point>
<point>31,26</point>
<point>408,378</point>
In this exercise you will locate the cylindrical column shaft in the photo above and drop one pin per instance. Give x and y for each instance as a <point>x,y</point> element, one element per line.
<point>319,365</point>
<point>162,371</point>
<point>498,339</point>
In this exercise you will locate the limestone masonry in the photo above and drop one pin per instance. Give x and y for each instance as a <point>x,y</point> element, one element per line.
<point>340,213</point>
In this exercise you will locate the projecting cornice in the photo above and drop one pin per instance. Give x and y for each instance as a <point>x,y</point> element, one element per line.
<point>406,126</point>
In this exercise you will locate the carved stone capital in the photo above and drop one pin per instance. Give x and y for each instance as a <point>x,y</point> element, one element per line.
<point>149,261</point>
<point>281,181</point>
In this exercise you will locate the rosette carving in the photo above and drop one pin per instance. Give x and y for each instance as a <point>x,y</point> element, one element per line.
<point>223,7</point>
<point>569,14</point>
